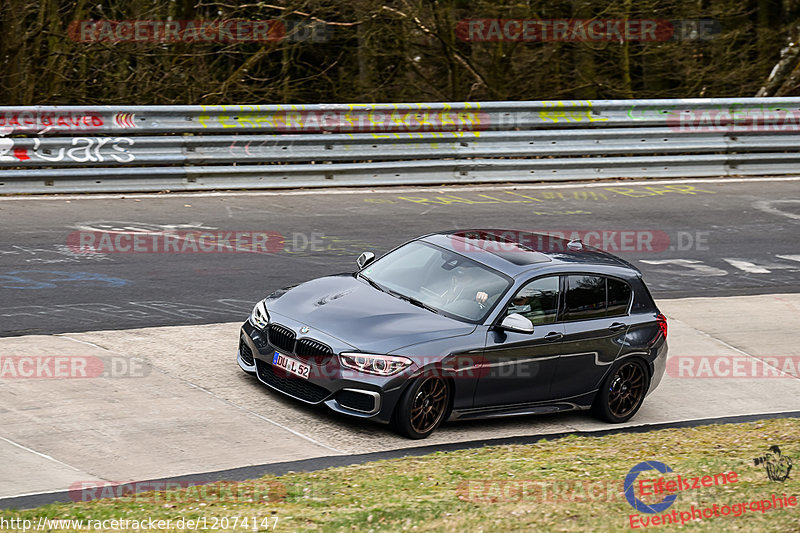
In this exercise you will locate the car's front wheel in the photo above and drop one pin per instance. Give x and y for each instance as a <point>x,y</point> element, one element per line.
<point>622,392</point>
<point>422,407</point>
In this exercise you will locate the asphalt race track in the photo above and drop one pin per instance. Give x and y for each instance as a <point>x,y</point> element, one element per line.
<point>712,238</point>
<point>721,256</point>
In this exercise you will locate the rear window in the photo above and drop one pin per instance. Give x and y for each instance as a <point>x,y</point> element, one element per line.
<point>643,301</point>
<point>590,296</point>
<point>619,295</point>
<point>586,297</point>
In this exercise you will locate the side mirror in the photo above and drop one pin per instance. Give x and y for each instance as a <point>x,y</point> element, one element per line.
<point>518,323</point>
<point>364,259</point>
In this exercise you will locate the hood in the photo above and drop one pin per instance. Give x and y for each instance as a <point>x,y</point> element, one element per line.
<point>360,315</point>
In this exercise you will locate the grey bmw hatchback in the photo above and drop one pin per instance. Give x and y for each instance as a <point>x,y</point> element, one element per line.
<point>464,324</point>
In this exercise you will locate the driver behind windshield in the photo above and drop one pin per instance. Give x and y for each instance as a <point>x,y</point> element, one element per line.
<point>462,287</point>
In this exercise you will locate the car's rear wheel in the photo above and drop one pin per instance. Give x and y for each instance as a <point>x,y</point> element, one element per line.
<point>622,392</point>
<point>422,407</point>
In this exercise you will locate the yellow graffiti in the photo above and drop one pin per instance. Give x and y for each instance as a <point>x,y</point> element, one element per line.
<point>502,197</point>
<point>444,200</point>
<point>515,197</point>
<point>412,120</point>
<point>644,192</point>
<point>223,118</point>
<point>572,111</point>
<point>460,134</point>
<point>549,213</point>
<point>589,195</point>
<point>202,118</point>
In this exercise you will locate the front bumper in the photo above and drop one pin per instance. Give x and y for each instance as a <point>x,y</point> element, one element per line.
<point>341,390</point>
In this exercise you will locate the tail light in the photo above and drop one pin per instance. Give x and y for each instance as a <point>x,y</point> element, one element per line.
<point>662,324</point>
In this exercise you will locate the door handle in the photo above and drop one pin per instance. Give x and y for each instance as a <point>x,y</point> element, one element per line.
<point>554,336</point>
<point>616,326</point>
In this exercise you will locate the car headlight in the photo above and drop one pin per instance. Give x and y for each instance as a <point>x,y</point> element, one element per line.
<point>259,318</point>
<point>381,365</point>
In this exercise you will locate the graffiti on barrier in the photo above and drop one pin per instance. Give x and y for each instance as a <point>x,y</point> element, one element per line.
<point>86,149</point>
<point>352,118</point>
<point>125,120</point>
<point>7,150</point>
<point>78,150</point>
<point>572,111</point>
<point>43,121</point>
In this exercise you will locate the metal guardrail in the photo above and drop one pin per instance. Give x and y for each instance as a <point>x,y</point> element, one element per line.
<point>139,148</point>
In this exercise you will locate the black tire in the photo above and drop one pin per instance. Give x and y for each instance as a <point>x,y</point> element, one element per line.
<point>422,407</point>
<point>622,392</point>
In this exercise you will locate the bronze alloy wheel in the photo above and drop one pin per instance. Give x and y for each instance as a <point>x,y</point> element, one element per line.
<point>626,389</point>
<point>429,405</point>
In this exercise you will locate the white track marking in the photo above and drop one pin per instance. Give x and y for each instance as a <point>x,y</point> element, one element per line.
<point>264,418</point>
<point>20,446</point>
<point>694,267</point>
<point>290,430</point>
<point>735,349</point>
<point>747,266</point>
<point>63,336</point>
<point>768,206</point>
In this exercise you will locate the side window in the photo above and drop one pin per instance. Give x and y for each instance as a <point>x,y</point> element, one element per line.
<point>619,294</point>
<point>586,297</point>
<point>537,301</point>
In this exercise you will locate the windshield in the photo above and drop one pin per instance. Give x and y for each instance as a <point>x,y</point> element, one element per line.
<point>441,280</point>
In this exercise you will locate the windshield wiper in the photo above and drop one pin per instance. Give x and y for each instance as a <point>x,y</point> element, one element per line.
<point>372,282</point>
<point>408,299</point>
<point>418,303</point>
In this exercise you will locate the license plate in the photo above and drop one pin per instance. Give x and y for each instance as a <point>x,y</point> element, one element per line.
<point>291,365</point>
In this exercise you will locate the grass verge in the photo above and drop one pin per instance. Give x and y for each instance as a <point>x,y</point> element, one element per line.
<point>571,484</point>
